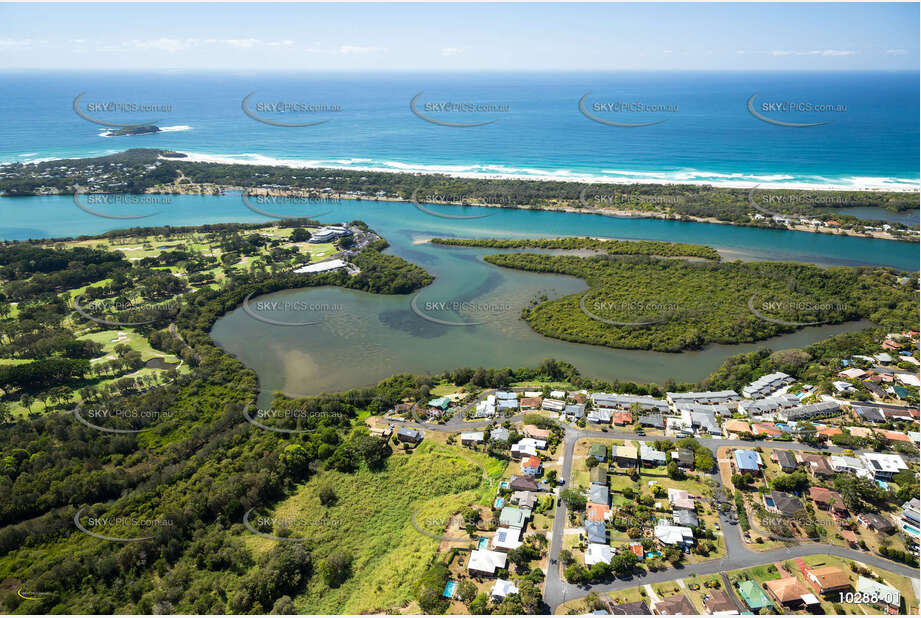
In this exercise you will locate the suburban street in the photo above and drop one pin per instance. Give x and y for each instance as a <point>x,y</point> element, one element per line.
<point>738,555</point>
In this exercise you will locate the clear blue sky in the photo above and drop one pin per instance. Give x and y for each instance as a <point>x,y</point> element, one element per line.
<point>450,37</point>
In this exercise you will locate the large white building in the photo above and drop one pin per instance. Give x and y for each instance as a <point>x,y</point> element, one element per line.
<point>328,233</point>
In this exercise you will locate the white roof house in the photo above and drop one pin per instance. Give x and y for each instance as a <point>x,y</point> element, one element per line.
<point>884,464</point>
<point>558,394</point>
<point>486,561</point>
<point>885,595</point>
<point>598,552</point>
<point>472,436</point>
<point>843,463</point>
<point>502,588</point>
<point>670,534</point>
<point>485,409</point>
<point>506,538</point>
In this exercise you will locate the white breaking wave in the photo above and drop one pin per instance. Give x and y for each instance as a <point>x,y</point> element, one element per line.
<point>612,176</point>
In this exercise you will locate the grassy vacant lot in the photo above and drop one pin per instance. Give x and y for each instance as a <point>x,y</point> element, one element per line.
<point>371,519</point>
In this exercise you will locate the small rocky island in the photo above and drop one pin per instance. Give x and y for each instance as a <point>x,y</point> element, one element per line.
<point>134,130</point>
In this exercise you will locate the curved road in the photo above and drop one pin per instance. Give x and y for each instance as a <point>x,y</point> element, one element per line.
<point>738,555</point>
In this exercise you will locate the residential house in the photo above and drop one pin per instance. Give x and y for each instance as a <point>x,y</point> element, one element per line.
<point>851,465</point>
<point>502,588</point>
<point>530,403</point>
<point>653,420</point>
<point>893,436</point>
<point>441,403</point>
<point>782,502</point>
<point>705,422</point>
<point>812,410</point>
<point>595,532</point>
<point>499,434</point>
<point>599,494</point>
<point>886,596</point>
<point>506,539</point>
<point>553,405</point>
<point>670,534</point>
<point>636,608</point>
<point>769,405</point>
<point>733,426</point>
<point>769,430</point>
<point>877,522</point>
<point>507,404</point>
<point>624,456</point>
<point>884,465</point>
<point>708,397</point>
<point>910,520</point>
<point>870,414</point>
<point>767,384</point>
<point>828,500</point>
<point>684,517</point>
<point>747,461</point>
<point>650,457</point>
<point>598,475</point>
<point>408,434</point>
<point>485,562</point>
<point>598,552</point>
<point>485,408</point>
<point>854,373</point>
<point>471,438</point>
<point>827,579</point>
<point>817,464</point>
<point>675,605</point>
<point>684,458</point>
<point>527,446</point>
<point>599,452</point>
<point>523,483</point>
<point>754,597</point>
<point>680,499</point>
<point>789,592</point>
<point>533,431</point>
<point>531,466</point>
<point>512,517</point>
<point>719,603</point>
<point>621,419</point>
<point>597,512</point>
<point>524,499</point>
<point>575,410</point>
<point>628,402</point>
<point>599,416</point>
<point>785,460</point>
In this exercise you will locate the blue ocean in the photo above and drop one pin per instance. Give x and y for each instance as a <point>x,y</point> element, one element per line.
<point>691,126</point>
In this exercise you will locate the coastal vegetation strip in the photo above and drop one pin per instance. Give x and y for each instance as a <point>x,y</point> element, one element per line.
<point>139,171</point>
<point>612,247</point>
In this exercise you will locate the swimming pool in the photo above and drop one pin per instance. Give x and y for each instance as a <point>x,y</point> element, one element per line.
<point>769,502</point>
<point>911,529</point>
<point>449,589</point>
<point>653,554</point>
<point>499,502</point>
<point>483,543</point>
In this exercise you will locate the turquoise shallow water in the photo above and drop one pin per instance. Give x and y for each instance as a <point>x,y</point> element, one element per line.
<point>405,226</point>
